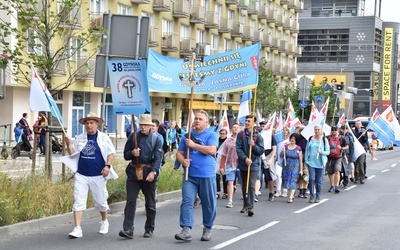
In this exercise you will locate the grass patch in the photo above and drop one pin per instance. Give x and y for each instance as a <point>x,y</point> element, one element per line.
<point>33,197</point>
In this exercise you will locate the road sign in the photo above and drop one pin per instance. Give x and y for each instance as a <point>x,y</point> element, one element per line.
<point>319,98</point>
<point>303,104</point>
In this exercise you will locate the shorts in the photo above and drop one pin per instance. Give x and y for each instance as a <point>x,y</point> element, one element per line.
<point>230,176</point>
<point>334,165</point>
<point>98,187</point>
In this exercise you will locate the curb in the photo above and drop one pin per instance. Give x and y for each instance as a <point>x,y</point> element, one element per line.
<point>36,225</point>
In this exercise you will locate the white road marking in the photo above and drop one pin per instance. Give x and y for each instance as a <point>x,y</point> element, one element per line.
<point>310,206</point>
<point>240,237</point>
<point>385,170</point>
<point>350,188</point>
<point>371,177</point>
<point>394,165</point>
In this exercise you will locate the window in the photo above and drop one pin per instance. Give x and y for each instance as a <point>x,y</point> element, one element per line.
<point>124,9</point>
<point>227,45</point>
<point>35,46</point>
<point>98,6</point>
<point>74,50</point>
<point>167,27</point>
<point>151,18</point>
<point>185,31</point>
<point>201,36</point>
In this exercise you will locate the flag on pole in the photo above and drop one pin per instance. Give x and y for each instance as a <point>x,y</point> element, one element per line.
<point>279,137</point>
<point>291,115</point>
<point>40,98</point>
<point>259,116</point>
<point>224,123</point>
<point>387,124</point>
<point>314,112</point>
<point>342,121</point>
<point>266,133</point>
<point>244,107</point>
<point>358,148</point>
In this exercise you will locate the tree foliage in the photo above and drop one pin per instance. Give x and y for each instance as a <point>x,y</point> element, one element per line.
<point>48,34</point>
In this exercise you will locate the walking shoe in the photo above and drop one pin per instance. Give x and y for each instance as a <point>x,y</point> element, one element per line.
<point>250,212</point>
<point>244,209</point>
<point>148,234</point>
<point>225,196</point>
<point>104,227</point>
<point>76,233</point>
<point>331,190</point>
<point>362,182</point>
<point>284,194</point>
<point>126,234</point>
<point>206,234</point>
<point>312,199</point>
<point>317,199</point>
<point>271,197</point>
<point>352,179</point>
<point>229,204</point>
<point>278,193</point>
<point>256,198</point>
<point>337,190</point>
<point>374,159</point>
<point>184,234</point>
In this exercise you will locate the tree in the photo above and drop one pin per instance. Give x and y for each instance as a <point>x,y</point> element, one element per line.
<point>58,37</point>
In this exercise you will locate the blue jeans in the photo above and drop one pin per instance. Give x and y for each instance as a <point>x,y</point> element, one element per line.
<point>315,179</point>
<point>207,190</point>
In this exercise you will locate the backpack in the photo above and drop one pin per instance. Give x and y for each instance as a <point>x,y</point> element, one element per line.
<point>334,151</point>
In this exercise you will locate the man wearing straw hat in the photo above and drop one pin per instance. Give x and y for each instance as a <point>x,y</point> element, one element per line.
<point>94,152</point>
<point>202,145</point>
<point>144,151</point>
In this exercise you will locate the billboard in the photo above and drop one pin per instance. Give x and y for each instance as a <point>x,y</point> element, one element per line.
<point>387,67</point>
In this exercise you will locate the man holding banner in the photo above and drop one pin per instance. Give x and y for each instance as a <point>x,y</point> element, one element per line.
<point>360,165</point>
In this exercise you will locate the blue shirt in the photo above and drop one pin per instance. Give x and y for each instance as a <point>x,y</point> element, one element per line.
<point>91,162</point>
<point>201,165</point>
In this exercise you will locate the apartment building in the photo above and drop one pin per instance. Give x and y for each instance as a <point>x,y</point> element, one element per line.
<point>176,27</point>
<point>340,42</point>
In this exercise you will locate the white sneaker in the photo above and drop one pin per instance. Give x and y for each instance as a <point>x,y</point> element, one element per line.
<point>76,233</point>
<point>284,194</point>
<point>374,159</point>
<point>104,227</point>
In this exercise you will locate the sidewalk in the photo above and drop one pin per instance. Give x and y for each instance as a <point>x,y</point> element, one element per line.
<point>33,226</point>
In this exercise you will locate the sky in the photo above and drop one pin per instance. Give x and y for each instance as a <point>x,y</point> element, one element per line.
<point>389,12</point>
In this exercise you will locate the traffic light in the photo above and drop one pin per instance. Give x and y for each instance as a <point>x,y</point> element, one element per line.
<point>371,92</point>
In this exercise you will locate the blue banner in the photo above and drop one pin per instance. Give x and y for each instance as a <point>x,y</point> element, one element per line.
<point>129,88</point>
<point>235,70</point>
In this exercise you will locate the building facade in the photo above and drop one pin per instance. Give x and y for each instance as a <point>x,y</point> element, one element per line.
<point>360,51</point>
<point>176,27</point>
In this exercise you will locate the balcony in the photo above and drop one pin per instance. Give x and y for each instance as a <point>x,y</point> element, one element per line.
<point>85,68</point>
<point>297,51</point>
<point>291,49</point>
<point>218,50</point>
<point>258,36</point>
<point>294,28</point>
<point>162,5</point>
<point>226,25</point>
<point>180,9</point>
<point>169,42</point>
<point>248,33</point>
<point>237,30</point>
<point>299,6</point>
<point>254,7</point>
<point>187,44</point>
<point>269,65</point>
<point>96,21</point>
<point>279,21</point>
<point>153,37</point>
<point>283,46</point>
<point>197,14</point>
<point>287,24</point>
<point>211,20</point>
<point>266,40</point>
<point>274,43</point>
<point>271,18</point>
<point>232,1</point>
<point>292,72</point>
<point>60,63</point>
<point>263,13</point>
<point>140,1</point>
<point>285,2</point>
<point>285,71</point>
<point>70,19</point>
<point>243,4</point>
<point>277,69</point>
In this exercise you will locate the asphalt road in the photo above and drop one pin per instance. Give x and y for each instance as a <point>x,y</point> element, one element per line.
<point>361,217</point>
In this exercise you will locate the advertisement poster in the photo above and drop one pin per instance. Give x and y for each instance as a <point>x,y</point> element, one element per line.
<point>129,88</point>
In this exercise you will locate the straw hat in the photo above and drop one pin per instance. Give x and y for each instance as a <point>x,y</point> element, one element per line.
<point>91,116</point>
<point>145,120</point>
